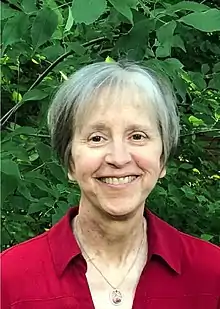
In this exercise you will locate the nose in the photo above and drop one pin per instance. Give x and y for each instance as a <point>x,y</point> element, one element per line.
<point>118,154</point>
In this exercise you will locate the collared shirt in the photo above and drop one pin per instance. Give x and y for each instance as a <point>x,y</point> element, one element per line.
<point>48,271</point>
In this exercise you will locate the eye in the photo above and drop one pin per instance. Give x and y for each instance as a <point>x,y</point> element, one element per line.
<point>139,136</point>
<point>96,139</point>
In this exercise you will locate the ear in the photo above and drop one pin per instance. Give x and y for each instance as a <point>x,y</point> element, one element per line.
<point>163,172</point>
<point>70,176</point>
<point>71,171</point>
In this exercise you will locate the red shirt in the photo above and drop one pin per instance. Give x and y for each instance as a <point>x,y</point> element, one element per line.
<point>48,271</point>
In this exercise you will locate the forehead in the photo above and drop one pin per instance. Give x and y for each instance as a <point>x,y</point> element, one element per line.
<point>128,105</point>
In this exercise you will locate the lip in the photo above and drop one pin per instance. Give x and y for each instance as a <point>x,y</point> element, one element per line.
<point>118,176</point>
<point>120,186</point>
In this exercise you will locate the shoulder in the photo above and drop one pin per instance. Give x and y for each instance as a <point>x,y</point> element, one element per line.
<point>35,258</point>
<point>22,258</point>
<point>191,254</point>
<point>196,247</point>
<point>25,250</point>
<point>200,257</point>
<point>23,268</point>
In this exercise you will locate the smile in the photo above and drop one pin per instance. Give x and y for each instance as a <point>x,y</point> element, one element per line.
<point>118,181</point>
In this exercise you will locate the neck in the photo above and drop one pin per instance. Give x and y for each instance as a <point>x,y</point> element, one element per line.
<point>109,239</point>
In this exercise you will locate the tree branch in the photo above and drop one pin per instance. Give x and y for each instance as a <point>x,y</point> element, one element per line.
<point>12,5</point>
<point>5,118</point>
<point>200,132</point>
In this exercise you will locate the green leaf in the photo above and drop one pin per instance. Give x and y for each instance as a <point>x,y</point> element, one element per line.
<point>20,48</point>
<point>63,206</point>
<point>77,48</point>
<point>186,166</point>
<point>57,171</point>
<point>174,192</point>
<point>24,131</point>
<point>87,12</point>
<point>42,186</point>
<point>14,29</point>
<point>29,6</point>
<point>181,86</point>
<point>33,157</point>
<point>69,22</point>
<point>165,32</point>
<point>109,60</point>
<point>134,44</point>
<point>187,5</point>
<point>23,190</point>
<point>206,237</point>
<point>36,207</point>
<point>189,192</point>
<point>178,42</point>
<point>53,6</point>
<point>44,152</point>
<point>124,7</point>
<point>18,152</point>
<point>43,27</point>
<point>215,82</point>
<point>195,121</point>
<point>8,186</point>
<point>53,52</point>
<point>14,2</point>
<point>34,95</point>
<point>208,21</point>
<point>164,50</point>
<point>198,80</point>
<point>5,238</point>
<point>216,67</point>
<point>10,146</point>
<point>16,97</point>
<point>41,205</point>
<point>165,37</point>
<point>201,198</point>
<point>160,191</point>
<point>60,211</point>
<point>205,68</point>
<point>21,218</point>
<point>35,174</point>
<point>6,11</point>
<point>73,197</point>
<point>9,167</point>
<point>171,67</point>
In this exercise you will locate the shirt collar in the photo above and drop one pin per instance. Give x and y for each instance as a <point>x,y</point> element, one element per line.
<point>163,241</point>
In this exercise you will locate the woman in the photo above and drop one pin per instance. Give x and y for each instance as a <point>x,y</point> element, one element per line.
<point>114,126</point>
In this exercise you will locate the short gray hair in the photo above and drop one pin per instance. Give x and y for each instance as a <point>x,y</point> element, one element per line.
<point>73,98</point>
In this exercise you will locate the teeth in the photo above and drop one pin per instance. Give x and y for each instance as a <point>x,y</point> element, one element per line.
<point>118,181</point>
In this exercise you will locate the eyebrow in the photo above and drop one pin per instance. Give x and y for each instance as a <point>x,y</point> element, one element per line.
<point>101,126</point>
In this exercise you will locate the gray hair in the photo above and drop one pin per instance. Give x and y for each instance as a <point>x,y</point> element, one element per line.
<point>74,98</point>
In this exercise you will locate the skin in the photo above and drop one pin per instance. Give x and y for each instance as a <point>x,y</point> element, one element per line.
<point>117,139</point>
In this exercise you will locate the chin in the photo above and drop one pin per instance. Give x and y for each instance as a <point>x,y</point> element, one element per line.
<point>118,213</point>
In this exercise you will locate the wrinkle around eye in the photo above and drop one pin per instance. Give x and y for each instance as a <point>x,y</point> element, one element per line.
<point>101,140</point>
<point>143,137</point>
<point>140,135</point>
<point>96,139</point>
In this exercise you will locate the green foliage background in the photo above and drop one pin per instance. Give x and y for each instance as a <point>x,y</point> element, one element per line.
<point>45,41</point>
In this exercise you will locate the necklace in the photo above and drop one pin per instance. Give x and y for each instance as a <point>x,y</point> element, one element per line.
<point>115,296</point>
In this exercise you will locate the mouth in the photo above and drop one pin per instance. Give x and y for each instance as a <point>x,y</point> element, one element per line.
<point>118,181</point>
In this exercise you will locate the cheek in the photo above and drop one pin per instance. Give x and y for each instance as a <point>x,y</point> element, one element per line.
<point>148,162</point>
<point>149,157</point>
<point>86,163</point>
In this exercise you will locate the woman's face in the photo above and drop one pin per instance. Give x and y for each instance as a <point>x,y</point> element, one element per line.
<point>116,155</point>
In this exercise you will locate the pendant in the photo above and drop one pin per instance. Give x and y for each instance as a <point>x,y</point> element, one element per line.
<point>116,297</point>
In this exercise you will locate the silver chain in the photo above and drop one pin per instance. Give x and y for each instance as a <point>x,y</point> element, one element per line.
<point>130,268</point>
